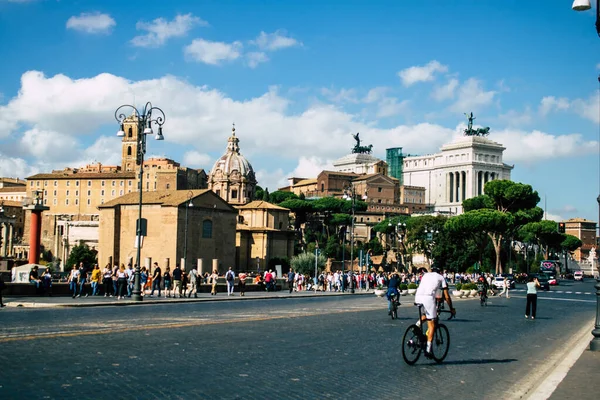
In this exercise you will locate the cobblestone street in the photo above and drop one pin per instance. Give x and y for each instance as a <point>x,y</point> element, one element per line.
<point>286,348</point>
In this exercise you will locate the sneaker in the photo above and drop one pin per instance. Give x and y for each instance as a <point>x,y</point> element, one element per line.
<point>86,295</point>
<point>78,295</point>
<point>532,317</point>
<point>418,323</point>
<point>105,295</point>
<point>527,317</point>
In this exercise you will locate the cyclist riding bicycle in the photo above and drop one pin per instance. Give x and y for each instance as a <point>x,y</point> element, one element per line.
<point>393,291</point>
<point>431,282</point>
<point>482,286</point>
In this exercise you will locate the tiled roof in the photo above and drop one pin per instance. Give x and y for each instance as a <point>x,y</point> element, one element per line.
<point>167,198</point>
<point>306,182</point>
<point>12,189</point>
<point>262,205</point>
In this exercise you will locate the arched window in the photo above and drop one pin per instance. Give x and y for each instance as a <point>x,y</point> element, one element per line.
<point>128,150</point>
<point>207,229</point>
<point>130,132</point>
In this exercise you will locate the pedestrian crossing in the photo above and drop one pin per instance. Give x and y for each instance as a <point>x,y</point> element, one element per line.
<point>555,291</point>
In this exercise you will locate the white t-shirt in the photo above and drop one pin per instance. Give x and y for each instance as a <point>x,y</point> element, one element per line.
<point>430,284</point>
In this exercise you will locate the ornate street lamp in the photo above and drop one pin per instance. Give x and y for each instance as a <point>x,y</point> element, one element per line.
<point>187,207</point>
<point>584,5</point>
<point>399,233</point>
<point>144,127</point>
<point>350,194</point>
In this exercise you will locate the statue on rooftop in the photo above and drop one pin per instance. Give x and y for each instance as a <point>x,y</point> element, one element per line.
<point>475,132</point>
<point>361,149</point>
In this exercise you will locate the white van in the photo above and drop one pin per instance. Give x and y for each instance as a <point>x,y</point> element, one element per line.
<point>578,275</point>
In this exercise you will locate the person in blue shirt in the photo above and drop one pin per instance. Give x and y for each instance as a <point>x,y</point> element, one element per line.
<point>393,291</point>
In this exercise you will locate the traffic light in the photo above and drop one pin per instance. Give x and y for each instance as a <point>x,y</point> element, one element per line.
<point>561,227</point>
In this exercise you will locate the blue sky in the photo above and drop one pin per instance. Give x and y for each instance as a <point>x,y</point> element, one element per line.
<point>298,78</point>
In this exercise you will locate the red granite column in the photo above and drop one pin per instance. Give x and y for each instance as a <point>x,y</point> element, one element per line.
<point>34,237</point>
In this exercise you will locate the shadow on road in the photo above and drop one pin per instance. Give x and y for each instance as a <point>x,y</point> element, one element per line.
<point>487,361</point>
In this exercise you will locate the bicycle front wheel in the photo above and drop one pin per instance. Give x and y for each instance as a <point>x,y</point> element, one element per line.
<point>394,311</point>
<point>441,343</point>
<point>411,344</point>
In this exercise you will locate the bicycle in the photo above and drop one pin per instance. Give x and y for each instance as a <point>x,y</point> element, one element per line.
<point>415,338</point>
<point>395,303</point>
<point>482,295</point>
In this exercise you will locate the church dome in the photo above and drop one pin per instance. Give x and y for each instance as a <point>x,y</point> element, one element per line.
<point>232,176</point>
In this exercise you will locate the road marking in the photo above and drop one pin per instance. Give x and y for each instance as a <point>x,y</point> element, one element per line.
<point>577,292</point>
<point>559,299</point>
<point>549,385</point>
<point>190,323</point>
<point>587,293</point>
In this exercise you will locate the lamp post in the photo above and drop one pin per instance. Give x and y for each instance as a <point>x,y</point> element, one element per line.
<point>430,242</point>
<point>350,194</point>
<point>583,5</point>
<point>144,127</point>
<point>187,206</point>
<point>399,232</point>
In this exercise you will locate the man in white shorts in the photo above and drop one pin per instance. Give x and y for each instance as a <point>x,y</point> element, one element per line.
<point>431,283</point>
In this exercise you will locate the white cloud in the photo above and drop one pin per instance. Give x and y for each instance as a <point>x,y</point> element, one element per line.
<point>446,91</point>
<point>274,41</point>
<point>256,57</point>
<point>553,217</point>
<point>471,96</point>
<point>514,118</point>
<point>375,94</point>
<point>587,108</point>
<point>340,96</point>
<point>425,73</point>
<point>160,30</point>
<point>530,147</point>
<point>550,103</point>
<point>213,53</point>
<point>195,159</point>
<point>91,23</point>
<point>389,107</point>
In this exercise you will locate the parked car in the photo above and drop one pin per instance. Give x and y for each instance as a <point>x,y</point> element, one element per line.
<point>578,276</point>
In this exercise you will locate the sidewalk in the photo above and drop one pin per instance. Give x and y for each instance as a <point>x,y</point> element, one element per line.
<point>99,301</point>
<point>582,380</point>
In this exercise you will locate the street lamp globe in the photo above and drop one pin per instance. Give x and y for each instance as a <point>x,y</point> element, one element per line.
<point>121,132</point>
<point>582,5</point>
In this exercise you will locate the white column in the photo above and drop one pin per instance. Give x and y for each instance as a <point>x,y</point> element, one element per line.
<point>199,267</point>
<point>3,231</point>
<point>448,188</point>
<point>458,187</point>
<point>215,264</point>
<point>10,239</point>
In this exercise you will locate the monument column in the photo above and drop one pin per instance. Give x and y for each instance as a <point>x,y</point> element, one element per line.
<point>11,233</point>
<point>36,207</point>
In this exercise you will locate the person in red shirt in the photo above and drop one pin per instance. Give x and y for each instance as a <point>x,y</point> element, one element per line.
<point>269,281</point>
<point>242,282</point>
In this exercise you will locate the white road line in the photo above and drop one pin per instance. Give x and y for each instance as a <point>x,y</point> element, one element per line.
<point>569,292</point>
<point>577,292</point>
<point>549,385</point>
<point>587,293</point>
<point>559,299</point>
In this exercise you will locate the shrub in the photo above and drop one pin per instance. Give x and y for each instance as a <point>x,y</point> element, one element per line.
<point>403,286</point>
<point>412,286</point>
<point>459,286</point>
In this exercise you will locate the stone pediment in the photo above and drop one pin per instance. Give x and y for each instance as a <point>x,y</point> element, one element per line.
<point>379,179</point>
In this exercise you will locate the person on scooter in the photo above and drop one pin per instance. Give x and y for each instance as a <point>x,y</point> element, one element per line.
<point>393,291</point>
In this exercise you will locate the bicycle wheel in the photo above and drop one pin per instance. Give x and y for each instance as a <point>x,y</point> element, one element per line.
<point>441,343</point>
<point>394,311</point>
<point>411,344</point>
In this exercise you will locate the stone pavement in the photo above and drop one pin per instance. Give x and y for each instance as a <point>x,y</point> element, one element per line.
<point>582,380</point>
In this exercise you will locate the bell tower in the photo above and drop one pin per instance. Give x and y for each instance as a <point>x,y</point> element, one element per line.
<point>130,143</point>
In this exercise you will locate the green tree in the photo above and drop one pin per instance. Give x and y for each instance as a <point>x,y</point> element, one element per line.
<point>258,193</point>
<point>266,195</point>
<point>280,196</point>
<point>304,263</point>
<point>300,208</point>
<point>517,201</point>
<point>81,253</point>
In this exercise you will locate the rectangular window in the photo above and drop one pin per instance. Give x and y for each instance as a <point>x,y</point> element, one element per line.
<point>121,183</point>
<point>68,183</point>
<point>67,192</point>
<point>89,192</point>
<point>55,183</point>
<point>112,193</point>
<point>89,202</point>
<point>234,194</point>
<point>54,193</point>
<point>379,190</point>
<point>37,184</point>
<point>67,202</point>
<point>121,192</point>
<point>129,183</point>
<point>114,183</point>
<point>102,183</point>
<point>102,192</point>
<point>45,193</point>
<point>31,184</point>
<point>45,201</point>
<point>89,183</point>
<point>77,193</point>
<point>76,183</point>
<point>54,202</point>
<point>76,201</point>
<point>45,183</point>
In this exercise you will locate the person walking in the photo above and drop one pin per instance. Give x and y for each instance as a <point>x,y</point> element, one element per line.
<point>532,286</point>
<point>167,281</point>
<point>505,284</point>
<point>73,278</point>
<point>107,280</point>
<point>212,279</point>
<point>121,282</point>
<point>177,281</point>
<point>230,279</point>
<point>290,278</point>
<point>242,283</point>
<point>184,283</point>
<point>193,278</point>
<point>156,278</point>
<point>95,279</point>
<point>82,279</point>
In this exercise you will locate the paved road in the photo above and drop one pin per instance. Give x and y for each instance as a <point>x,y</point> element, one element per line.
<point>326,347</point>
